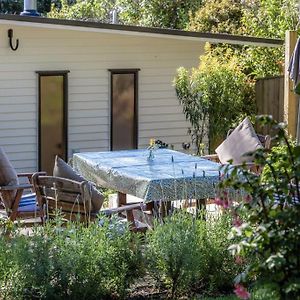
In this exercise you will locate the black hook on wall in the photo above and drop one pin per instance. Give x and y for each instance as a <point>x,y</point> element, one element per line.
<point>10,36</point>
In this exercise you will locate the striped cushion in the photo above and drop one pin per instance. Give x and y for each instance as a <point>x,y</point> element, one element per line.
<point>28,203</point>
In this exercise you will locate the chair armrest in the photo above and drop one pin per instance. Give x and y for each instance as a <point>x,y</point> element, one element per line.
<point>25,174</point>
<point>30,174</point>
<point>121,209</point>
<point>16,187</point>
<point>212,157</point>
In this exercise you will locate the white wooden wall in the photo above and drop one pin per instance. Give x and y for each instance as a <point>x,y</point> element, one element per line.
<point>88,56</point>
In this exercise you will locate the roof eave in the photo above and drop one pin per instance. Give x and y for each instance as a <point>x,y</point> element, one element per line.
<point>214,38</point>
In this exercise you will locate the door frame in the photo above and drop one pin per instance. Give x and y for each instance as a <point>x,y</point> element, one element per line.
<point>136,90</point>
<point>63,73</point>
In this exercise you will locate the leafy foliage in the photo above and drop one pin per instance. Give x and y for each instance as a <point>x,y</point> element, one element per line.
<point>270,19</point>
<point>16,6</point>
<point>154,13</point>
<point>171,252</point>
<point>214,96</point>
<point>223,16</point>
<point>168,13</point>
<point>12,7</point>
<point>76,262</point>
<point>265,18</point>
<point>83,10</point>
<point>187,254</point>
<point>271,230</point>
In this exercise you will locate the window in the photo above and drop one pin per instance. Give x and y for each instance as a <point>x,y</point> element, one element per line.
<point>124,109</point>
<point>52,118</point>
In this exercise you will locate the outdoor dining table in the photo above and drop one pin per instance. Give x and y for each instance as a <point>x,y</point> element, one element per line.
<point>171,175</point>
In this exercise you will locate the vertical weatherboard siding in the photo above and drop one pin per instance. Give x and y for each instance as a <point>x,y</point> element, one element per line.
<point>88,56</point>
<point>270,98</point>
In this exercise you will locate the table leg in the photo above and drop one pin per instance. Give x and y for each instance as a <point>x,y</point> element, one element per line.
<point>164,208</point>
<point>122,199</point>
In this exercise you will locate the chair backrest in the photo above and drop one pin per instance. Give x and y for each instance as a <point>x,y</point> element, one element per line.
<point>265,140</point>
<point>71,198</point>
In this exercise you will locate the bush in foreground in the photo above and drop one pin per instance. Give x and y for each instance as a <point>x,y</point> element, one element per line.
<point>271,230</point>
<point>187,254</point>
<point>76,262</point>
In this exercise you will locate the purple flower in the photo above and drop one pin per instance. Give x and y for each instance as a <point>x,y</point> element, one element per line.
<point>241,292</point>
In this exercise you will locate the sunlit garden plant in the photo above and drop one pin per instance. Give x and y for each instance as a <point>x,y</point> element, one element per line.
<point>214,96</point>
<point>187,255</point>
<point>73,261</point>
<point>269,230</point>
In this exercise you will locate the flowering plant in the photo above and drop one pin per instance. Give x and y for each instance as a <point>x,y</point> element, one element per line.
<point>152,146</point>
<point>269,231</point>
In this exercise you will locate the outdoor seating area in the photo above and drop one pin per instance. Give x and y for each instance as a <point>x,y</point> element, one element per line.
<point>149,150</point>
<point>168,190</point>
<point>159,180</point>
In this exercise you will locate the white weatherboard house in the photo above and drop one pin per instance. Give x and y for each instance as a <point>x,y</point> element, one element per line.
<point>85,86</point>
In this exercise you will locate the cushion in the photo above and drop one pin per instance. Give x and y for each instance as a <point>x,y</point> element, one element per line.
<point>243,139</point>
<point>28,204</point>
<point>8,176</point>
<point>62,169</point>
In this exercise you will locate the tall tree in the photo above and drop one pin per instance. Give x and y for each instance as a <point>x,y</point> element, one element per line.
<point>154,13</point>
<point>224,16</point>
<point>11,6</point>
<point>169,13</point>
<point>268,18</point>
<point>83,10</point>
<point>16,6</point>
<point>261,18</point>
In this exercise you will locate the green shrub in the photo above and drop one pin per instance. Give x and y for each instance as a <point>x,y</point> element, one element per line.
<point>271,230</point>
<point>171,254</point>
<point>188,254</point>
<point>266,292</point>
<point>217,267</point>
<point>214,96</point>
<point>75,262</point>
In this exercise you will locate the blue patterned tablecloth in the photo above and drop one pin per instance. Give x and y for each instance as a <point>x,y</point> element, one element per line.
<point>171,175</point>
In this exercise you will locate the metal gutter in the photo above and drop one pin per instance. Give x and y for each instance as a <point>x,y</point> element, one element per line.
<point>138,30</point>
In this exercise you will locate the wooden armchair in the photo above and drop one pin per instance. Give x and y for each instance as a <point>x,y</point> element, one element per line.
<point>73,200</point>
<point>23,206</point>
<point>266,143</point>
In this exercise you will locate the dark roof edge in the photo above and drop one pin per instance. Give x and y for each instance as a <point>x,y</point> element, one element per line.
<point>118,27</point>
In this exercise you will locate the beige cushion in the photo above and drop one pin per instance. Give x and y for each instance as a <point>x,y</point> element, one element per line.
<point>62,169</point>
<point>243,139</point>
<point>8,176</point>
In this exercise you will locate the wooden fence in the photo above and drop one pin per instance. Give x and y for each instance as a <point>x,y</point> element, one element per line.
<point>270,97</point>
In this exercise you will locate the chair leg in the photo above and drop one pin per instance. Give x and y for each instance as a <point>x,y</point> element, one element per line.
<point>130,219</point>
<point>16,203</point>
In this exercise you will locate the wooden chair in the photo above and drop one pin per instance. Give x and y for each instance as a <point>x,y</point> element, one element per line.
<point>266,143</point>
<point>24,206</point>
<point>73,200</point>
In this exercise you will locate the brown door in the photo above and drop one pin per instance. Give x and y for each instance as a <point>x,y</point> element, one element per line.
<point>52,119</point>
<point>123,110</point>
